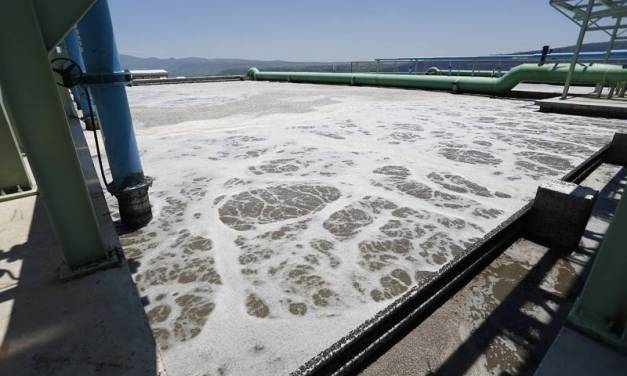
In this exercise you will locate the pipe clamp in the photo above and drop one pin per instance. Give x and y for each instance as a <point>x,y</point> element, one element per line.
<point>116,78</point>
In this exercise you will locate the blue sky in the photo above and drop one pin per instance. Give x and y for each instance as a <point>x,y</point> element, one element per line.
<point>324,30</point>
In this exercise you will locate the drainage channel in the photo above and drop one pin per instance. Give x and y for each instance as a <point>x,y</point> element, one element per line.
<point>367,342</point>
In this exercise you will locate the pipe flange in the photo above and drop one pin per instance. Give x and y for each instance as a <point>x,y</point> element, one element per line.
<point>455,87</point>
<point>134,204</point>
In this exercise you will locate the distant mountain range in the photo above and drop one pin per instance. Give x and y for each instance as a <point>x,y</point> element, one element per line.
<point>197,66</point>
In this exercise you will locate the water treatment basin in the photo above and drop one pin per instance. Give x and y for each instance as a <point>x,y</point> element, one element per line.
<point>285,214</point>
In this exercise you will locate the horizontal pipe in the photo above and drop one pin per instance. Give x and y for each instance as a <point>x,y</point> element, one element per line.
<point>547,73</point>
<point>184,80</point>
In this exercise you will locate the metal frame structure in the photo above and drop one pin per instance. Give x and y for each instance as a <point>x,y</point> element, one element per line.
<point>594,15</point>
<point>40,120</point>
<point>13,175</point>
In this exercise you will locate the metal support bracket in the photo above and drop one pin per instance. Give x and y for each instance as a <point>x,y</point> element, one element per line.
<point>601,309</point>
<point>117,78</point>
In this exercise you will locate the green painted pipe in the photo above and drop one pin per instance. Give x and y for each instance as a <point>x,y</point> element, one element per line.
<point>547,73</point>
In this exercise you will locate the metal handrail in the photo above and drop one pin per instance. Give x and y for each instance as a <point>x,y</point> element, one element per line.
<point>498,63</point>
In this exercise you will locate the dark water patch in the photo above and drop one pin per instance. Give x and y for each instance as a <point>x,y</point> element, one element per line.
<point>275,203</point>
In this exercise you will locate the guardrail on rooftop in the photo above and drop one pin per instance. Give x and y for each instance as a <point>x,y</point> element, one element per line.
<point>494,63</point>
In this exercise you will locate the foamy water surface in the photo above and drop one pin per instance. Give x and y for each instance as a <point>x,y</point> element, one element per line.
<point>285,215</point>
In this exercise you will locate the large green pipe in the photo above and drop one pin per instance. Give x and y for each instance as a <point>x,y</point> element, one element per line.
<point>547,73</point>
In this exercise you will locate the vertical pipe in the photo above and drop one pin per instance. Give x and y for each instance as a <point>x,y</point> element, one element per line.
<point>101,60</point>
<point>31,94</point>
<point>64,93</point>
<point>72,45</point>
<point>582,34</point>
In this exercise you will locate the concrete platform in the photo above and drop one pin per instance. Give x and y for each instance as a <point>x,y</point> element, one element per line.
<point>545,91</point>
<point>587,106</point>
<point>94,325</point>
<point>576,354</point>
<point>505,320</point>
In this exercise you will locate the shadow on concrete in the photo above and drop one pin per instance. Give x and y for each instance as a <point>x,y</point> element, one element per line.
<point>94,325</point>
<point>509,319</point>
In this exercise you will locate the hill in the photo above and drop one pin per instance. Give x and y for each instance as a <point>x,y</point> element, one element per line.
<point>197,66</point>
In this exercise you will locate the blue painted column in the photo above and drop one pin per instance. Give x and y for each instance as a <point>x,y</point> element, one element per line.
<point>106,80</point>
<point>73,48</point>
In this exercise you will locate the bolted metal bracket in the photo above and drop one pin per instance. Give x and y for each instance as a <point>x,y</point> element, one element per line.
<point>601,309</point>
<point>112,260</point>
<point>116,78</point>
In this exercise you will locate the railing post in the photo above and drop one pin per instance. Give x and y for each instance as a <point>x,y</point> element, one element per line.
<point>608,53</point>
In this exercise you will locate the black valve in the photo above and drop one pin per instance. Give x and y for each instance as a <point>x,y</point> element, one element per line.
<point>545,51</point>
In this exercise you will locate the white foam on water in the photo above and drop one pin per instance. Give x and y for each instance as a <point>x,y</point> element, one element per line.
<point>285,215</point>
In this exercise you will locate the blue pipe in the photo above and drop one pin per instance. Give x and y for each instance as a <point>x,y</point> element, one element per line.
<point>103,66</point>
<point>74,52</point>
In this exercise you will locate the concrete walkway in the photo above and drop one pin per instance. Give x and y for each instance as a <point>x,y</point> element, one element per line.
<point>587,106</point>
<point>94,325</point>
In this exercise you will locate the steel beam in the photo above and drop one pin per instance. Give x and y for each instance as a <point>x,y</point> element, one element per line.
<point>73,50</point>
<point>31,93</point>
<point>608,52</point>
<point>582,34</point>
<point>57,17</point>
<point>13,176</point>
<point>601,309</point>
<point>611,12</point>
